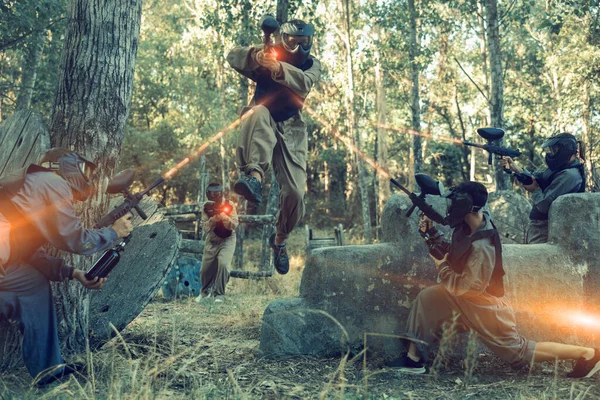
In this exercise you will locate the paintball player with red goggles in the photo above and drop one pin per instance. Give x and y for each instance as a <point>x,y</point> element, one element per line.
<point>36,209</point>
<point>275,133</point>
<point>219,220</point>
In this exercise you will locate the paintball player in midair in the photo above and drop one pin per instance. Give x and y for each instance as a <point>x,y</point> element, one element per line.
<point>275,134</point>
<point>219,220</point>
<point>471,286</point>
<point>36,209</point>
<point>564,175</point>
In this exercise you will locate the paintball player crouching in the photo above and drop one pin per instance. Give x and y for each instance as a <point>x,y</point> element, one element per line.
<point>219,220</point>
<point>36,208</point>
<point>471,286</point>
<point>275,134</point>
<point>564,175</point>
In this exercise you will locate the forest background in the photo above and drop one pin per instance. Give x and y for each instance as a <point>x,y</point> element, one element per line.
<point>404,80</point>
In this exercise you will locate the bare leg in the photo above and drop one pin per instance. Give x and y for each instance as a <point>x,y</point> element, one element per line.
<point>257,175</point>
<point>551,351</point>
<point>412,352</point>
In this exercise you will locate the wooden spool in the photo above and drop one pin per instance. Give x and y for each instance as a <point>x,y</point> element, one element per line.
<point>316,243</point>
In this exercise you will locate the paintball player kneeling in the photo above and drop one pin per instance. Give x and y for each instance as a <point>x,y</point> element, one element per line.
<point>36,208</point>
<point>564,175</point>
<point>471,286</point>
<point>275,134</point>
<point>219,220</point>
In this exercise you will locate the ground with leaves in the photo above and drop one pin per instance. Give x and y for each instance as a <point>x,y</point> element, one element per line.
<point>180,350</point>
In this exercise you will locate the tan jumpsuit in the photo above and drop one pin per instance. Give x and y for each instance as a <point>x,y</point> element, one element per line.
<point>264,142</point>
<point>491,317</point>
<point>218,254</point>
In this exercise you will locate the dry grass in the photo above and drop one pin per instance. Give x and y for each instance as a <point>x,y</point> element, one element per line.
<point>182,350</point>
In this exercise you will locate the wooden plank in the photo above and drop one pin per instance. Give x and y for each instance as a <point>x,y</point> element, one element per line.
<point>244,219</point>
<point>24,139</point>
<point>144,264</point>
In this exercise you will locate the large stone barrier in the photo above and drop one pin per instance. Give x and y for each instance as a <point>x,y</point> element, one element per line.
<point>351,293</point>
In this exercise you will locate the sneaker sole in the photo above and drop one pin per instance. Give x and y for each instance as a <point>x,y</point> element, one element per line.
<point>243,189</point>
<point>272,244</point>
<point>594,370</point>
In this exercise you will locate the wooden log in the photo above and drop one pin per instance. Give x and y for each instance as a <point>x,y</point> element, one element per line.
<point>144,264</point>
<point>236,273</point>
<point>182,209</point>
<point>23,140</point>
<point>244,219</point>
<point>192,246</point>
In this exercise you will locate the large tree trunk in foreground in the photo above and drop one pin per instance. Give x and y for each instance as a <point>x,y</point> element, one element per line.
<point>90,112</point>
<point>496,101</point>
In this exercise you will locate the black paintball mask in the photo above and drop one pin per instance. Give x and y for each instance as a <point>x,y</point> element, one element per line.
<point>77,170</point>
<point>295,38</point>
<point>559,150</point>
<point>461,203</point>
<point>214,192</point>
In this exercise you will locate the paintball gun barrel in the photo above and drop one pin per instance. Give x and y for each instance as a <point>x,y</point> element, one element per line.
<point>428,186</point>
<point>211,208</point>
<point>491,135</point>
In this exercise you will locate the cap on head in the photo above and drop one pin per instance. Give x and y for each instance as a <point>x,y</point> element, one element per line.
<point>465,198</point>
<point>76,169</point>
<point>214,192</point>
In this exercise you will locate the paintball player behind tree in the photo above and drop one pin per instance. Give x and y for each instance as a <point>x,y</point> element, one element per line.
<point>564,175</point>
<point>36,209</point>
<point>219,220</point>
<point>275,134</point>
<point>471,287</point>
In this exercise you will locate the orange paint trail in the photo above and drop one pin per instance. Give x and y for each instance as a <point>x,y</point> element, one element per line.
<point>205,145</point>
<point>348,142</point>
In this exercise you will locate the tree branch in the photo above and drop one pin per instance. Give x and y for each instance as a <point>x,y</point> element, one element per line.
<point>472,81</point>
<point>10,43</point>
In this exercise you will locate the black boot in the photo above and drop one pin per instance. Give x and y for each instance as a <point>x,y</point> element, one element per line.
<point>280,257</point>
<point>249,187</point>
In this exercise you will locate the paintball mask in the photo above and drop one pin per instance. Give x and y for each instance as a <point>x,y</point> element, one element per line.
<point>462,202</point>
<point>559,150</point>
<point>214,193</point>
<point>295,38</point>
<point>76,169</point>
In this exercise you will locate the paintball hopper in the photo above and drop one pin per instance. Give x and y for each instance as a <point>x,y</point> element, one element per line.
<point>491,135</point>
<point>121,182</point>
<point>269,25</point>
<point>428,186</point>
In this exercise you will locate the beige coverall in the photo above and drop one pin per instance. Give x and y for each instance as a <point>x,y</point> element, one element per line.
<point>283,144</point>
<point>491,317</point>
<point>218,253</point>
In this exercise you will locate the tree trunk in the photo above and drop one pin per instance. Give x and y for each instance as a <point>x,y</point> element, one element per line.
<point>416,149</point>
<point>353,123</point>
<point>587,136</point>
<point>383,185</point>
<point>283,7</point>
<point>31,62</point>
<point>89,115</point>
<point>496,98</point>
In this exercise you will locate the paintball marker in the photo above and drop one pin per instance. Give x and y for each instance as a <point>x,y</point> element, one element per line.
<point>120,183</point>
<point>491,135</point>
<point>269,26</point>
<point>428,186</point>
<point>436,244</point>
<point>211,208</point>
